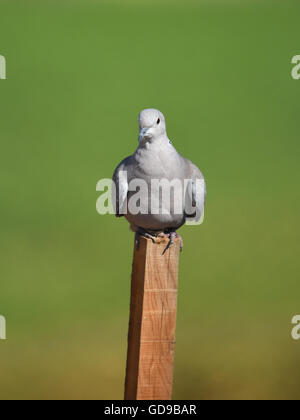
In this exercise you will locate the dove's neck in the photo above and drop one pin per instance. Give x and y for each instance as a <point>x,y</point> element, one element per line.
<point>155,152</point>
<point>155,144</point>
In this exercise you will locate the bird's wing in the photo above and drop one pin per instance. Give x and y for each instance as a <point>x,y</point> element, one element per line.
<point>121,189</point>
<point>195,195</point>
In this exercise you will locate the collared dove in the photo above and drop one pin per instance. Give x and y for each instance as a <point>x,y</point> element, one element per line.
<point>156,160</point>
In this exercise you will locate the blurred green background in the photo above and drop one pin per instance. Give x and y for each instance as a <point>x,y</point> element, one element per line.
<point>78,73</point>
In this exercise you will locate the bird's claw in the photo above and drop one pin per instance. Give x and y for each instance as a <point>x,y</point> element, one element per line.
<point>172,236</point>
<point>141,232</point>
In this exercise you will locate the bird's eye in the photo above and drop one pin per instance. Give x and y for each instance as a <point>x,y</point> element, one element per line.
<point>158,121</point>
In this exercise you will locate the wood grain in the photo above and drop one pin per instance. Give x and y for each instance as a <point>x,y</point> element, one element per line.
<point>153,311</point>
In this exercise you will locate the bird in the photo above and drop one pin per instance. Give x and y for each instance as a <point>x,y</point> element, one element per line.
<point>156,161</point>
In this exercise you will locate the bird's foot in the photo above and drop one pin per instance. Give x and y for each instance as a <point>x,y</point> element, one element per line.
<point>142,232</point>
<point>172,235</point>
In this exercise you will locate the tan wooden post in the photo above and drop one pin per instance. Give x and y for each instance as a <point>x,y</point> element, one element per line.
<point>153,311</point>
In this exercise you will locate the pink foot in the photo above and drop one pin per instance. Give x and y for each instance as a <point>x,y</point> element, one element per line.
<point>172,236</point>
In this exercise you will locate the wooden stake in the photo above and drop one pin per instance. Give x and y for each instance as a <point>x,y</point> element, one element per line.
<point>153,311</point>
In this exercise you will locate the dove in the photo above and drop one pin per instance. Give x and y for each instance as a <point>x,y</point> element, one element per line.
<point>155,163</point>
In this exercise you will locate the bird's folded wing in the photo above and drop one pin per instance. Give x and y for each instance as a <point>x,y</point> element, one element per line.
<point>121,190</point>
<point>195,195</point>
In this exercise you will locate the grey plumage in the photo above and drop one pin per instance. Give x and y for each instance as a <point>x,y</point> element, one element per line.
<point>156,158</point>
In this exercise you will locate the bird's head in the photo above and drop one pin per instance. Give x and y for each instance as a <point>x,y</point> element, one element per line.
<point>152,125</point>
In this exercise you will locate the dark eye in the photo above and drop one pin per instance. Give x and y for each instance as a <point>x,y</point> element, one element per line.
<point>158,121</point>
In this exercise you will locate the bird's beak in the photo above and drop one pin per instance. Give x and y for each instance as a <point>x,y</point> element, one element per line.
<point>144,133</point>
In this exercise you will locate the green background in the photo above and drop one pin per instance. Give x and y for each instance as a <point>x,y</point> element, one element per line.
<point>78,73</point>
